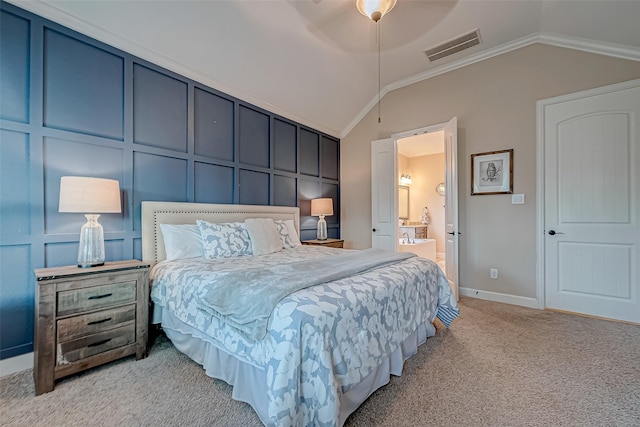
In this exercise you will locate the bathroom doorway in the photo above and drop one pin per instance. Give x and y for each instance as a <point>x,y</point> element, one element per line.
<point>431,158</point>
<point>421,169</point>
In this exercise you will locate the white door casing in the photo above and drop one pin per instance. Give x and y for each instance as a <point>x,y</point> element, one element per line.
<point>590,202</point>
<point>384,194</point>
<point>451,203</point>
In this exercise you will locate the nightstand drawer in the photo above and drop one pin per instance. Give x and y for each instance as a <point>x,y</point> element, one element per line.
<point>327,243</point>
<point>81,348</point>
<point>93,298</point>
<point>78,326</point>
<point>334,244</point>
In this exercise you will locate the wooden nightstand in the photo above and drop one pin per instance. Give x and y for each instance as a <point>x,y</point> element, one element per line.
<point>85,317</point>
<point>329,243</point>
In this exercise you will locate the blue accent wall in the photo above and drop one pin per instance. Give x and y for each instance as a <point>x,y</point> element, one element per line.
<point>70,105</point>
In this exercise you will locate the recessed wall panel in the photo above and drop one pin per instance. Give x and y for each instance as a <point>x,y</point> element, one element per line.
<point>284,191</point>
<point>72,158</point>
<point>137,249</point>
<point>333,233</point>
<point>254,188</point>
<point>213,120</point>
<point>213,183</point>
<point>16,300</point>
<point>159,110</point>
<point>14,67</point>
<point>307,190</point>
<point>284,146</point>
<point>330,162</point>
<point>310,234</point>
<point>83,87</point>
<point>309,158</point>
<point>59,254</point>
<point>157,178</point>
<point>15,189</point>
<point>253,137</point>
<point>331,191</point>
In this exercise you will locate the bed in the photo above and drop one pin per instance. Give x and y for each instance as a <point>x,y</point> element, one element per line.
<point>321,350</point>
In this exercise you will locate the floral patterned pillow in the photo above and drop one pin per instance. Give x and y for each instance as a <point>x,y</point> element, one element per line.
<point>224,240</point>
<point>288,233</point>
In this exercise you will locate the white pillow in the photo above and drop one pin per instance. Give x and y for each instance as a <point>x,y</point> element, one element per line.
<point>224,240</point>
<point>182,241</point>
<point>264,235</point>
<point>288,233</point>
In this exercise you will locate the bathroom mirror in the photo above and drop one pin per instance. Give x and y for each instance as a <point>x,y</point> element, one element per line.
<point>403,202</point>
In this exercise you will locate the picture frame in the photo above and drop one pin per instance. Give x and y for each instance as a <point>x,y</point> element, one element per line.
<point>492,172</point>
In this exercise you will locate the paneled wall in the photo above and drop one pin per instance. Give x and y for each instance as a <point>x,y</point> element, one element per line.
<point>70,105</point>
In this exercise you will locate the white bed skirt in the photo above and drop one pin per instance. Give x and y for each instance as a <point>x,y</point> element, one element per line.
<point>245,377</point>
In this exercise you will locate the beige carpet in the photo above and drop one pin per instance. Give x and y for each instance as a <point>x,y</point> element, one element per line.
<point>498,365</point>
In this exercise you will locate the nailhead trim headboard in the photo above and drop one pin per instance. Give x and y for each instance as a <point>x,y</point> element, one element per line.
<point>156,213</point>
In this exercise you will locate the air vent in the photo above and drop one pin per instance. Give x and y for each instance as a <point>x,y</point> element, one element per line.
<point>453,46</point>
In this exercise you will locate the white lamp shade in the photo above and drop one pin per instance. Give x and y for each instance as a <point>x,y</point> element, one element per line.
<point>89,195</point>
<point>375,9</point>
<point>321,207</point>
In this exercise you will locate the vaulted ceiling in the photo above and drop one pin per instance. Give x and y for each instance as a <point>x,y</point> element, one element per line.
<point>316,61</point>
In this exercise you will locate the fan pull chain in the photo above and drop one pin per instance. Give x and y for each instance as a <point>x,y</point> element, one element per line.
<point>378,37</point>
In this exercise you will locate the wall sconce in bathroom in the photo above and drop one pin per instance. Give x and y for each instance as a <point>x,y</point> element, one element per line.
<point>405,179</point>
<point>440,189</point>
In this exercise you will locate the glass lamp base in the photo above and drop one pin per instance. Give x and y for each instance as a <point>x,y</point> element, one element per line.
<point>91,248</point>
<point>322,229</point>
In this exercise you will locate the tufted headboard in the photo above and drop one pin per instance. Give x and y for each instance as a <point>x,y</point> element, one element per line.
<point>156,213</point>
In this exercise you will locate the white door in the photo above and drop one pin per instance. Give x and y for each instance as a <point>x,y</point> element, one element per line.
<point>592,202</point>
<point>451,203</point>
<point>384,194</point>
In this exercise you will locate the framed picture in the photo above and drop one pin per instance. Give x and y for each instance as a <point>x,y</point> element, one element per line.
<point>492,172</point>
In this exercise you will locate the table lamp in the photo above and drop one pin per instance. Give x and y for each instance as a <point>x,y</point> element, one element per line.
<point>320,208</point>
<point>91,196</point>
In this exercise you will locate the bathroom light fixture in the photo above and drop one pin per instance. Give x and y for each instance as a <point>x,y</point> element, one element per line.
<point>405,179</point>
<point>91,196</point>
<point>320,208</point>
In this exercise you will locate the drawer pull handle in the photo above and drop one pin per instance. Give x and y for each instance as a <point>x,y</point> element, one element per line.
<point>100,296</point>
<point>95,344</point>
<point>97,322</point>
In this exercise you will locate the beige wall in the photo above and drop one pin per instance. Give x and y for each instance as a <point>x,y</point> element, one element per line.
<point>495,103</point>
<point>403,166</point>
<point>426,173</point>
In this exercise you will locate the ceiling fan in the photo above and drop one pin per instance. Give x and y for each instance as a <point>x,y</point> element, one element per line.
<point>375,9</point>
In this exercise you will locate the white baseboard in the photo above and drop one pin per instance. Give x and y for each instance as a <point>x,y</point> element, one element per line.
<point>16,364</point>
<point>498,297</point>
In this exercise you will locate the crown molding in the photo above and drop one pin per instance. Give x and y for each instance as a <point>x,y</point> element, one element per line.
<point>592,46</point>
<point>48,10</point>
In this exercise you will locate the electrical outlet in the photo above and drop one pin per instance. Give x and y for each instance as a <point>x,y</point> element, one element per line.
<point>493,273</point>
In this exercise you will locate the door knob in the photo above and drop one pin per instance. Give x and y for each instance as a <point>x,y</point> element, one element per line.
<point>554,232</point>
<point>374,230</point>
<point>453,233</point>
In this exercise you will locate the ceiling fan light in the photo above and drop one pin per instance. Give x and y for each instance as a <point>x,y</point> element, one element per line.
<point>375,9</point>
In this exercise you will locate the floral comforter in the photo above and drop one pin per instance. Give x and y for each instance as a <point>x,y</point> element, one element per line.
<point>322,339</point>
